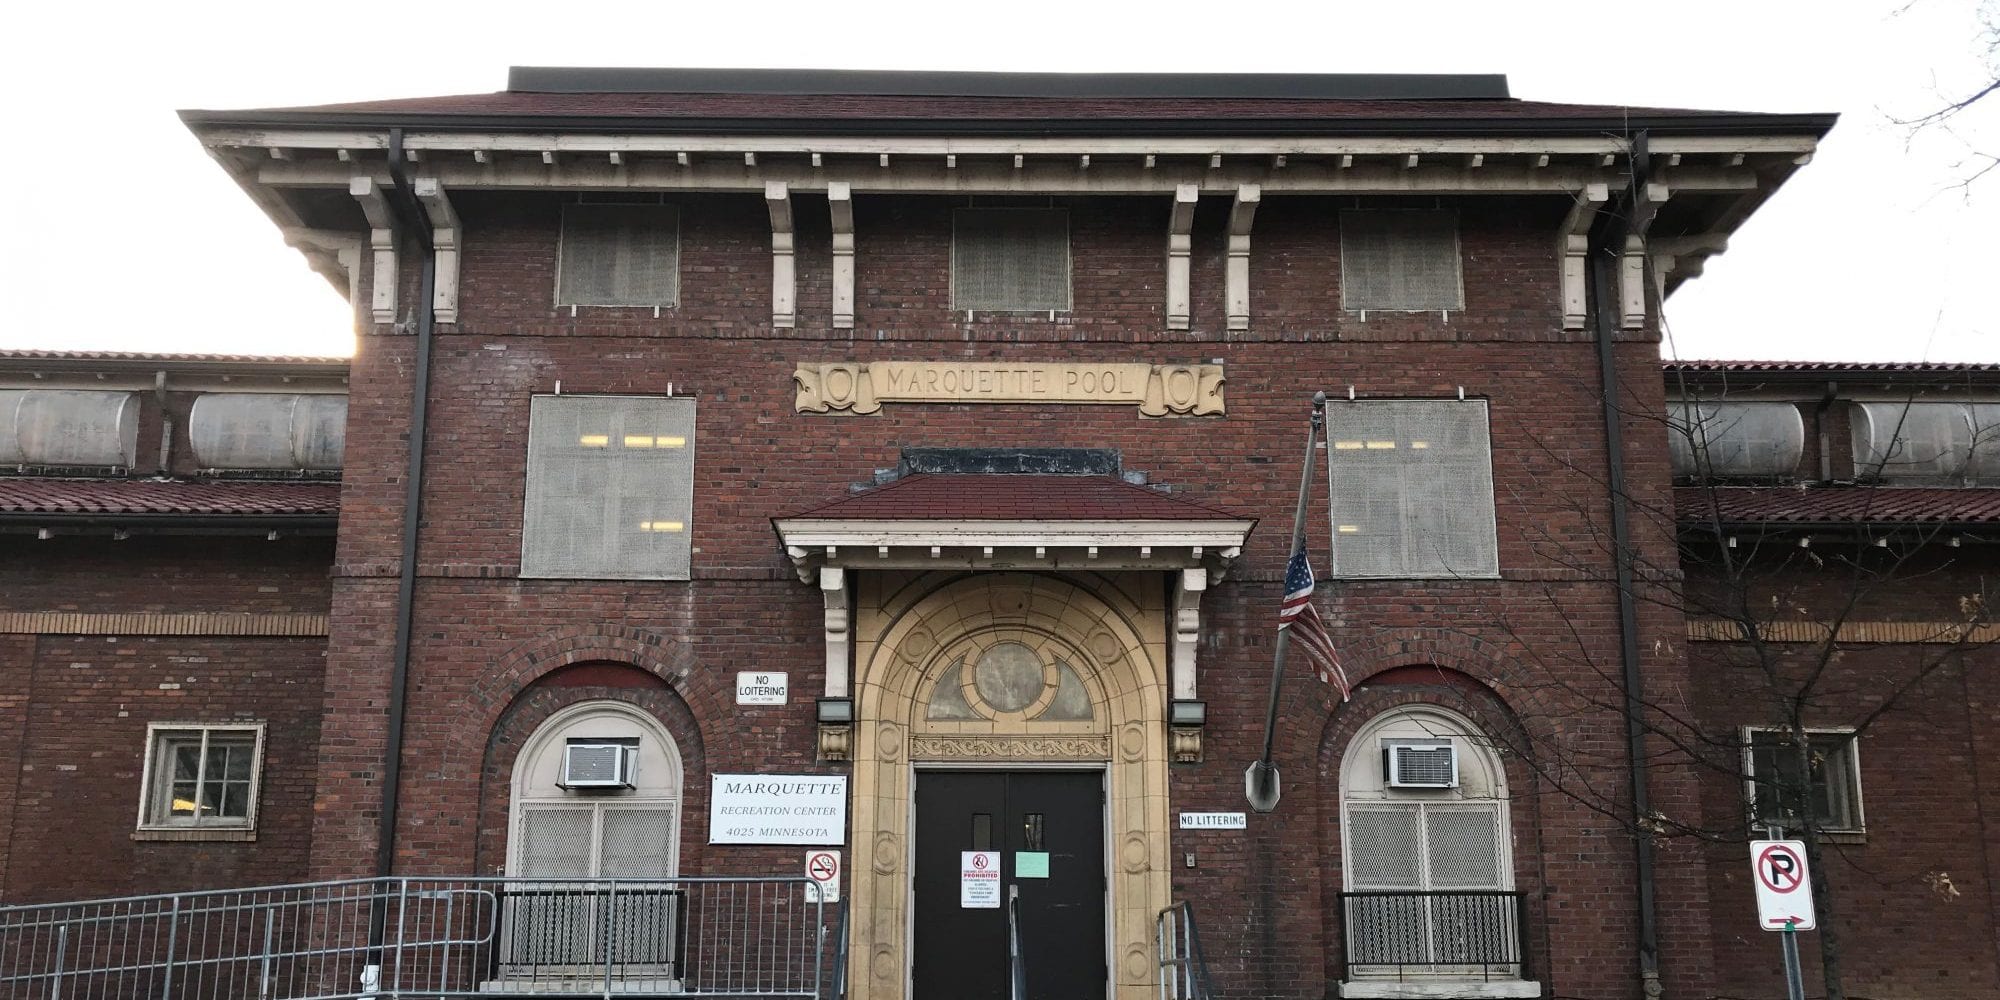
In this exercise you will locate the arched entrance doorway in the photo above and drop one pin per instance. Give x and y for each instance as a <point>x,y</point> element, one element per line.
<point>1018,717</point>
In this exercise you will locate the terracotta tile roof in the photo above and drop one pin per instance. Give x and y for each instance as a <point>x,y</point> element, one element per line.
<point>1835,505</point>
<point>1805,367</point>
<point>148,356</point>
<point>1013,498</point>
<point>158,497</point>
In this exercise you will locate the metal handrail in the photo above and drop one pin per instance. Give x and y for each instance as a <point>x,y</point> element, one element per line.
<point>1436,931</point>
<point>1017,968</point>
<point>838,987</point>
<point>1183,967</point>
<point>430,937</point>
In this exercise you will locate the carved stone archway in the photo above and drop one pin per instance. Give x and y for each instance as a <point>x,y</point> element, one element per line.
<point>1113,637</point>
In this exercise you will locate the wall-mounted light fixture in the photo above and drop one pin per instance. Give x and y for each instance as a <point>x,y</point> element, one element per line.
<point>1185,719</point>
<point>836,727</point>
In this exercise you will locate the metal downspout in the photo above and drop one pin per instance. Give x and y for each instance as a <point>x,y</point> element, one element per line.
<point>411,221</point>
<point>415,222</point>
<point>1608,242</point>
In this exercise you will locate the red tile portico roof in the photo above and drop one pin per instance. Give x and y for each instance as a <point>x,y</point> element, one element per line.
<point>1795,506</point>
<point>1004,497</point>
<point>1807,367</point>
<point>169,498</point>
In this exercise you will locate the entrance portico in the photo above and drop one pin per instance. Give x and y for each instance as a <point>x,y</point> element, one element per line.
<point>1009,624</point>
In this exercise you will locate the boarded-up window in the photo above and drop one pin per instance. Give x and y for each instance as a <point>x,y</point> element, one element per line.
<point>1010,259</point>
<point>1400,261</point>
<point>1412,488</point>
<point>610,488</point>
<point>619,255</point>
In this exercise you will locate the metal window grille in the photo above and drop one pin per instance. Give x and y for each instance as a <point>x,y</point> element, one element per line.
<point>619,255</point>
<point>1411,482</point>
<point>1010,259</point>
<point>610,491</point>
<point>1400,261</point>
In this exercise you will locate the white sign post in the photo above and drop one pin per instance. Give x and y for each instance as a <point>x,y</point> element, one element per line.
<point>1784,887</point>
<point>805,809</point>
<point>979,880</point>
<point>760,688</point>
<point>823,867</point>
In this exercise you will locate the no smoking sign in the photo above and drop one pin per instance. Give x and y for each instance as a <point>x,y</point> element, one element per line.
<point>823,867</point>
<point>1784,886</point>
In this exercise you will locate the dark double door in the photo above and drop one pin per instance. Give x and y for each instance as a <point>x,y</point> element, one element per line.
<point>1048,829</point>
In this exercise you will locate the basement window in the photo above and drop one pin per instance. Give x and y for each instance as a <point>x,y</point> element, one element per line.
<point>619,255</point>
<point>1010,260</point>
<point>1776,778</point>
<point>1412,488</point>
<point>1400,261</point>
<point>201,781</point>
<point>610,491</point>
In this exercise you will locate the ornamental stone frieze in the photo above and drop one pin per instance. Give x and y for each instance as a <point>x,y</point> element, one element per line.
<point>1158,390</point>
<point>1011,747</point>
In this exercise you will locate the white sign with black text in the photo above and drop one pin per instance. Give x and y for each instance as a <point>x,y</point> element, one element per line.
<point>979,880</point>
<point>823,867</point>
<point>1213,821</point>
<point>806,809</point>
<point>1784,886</point>
<point>760,688</point>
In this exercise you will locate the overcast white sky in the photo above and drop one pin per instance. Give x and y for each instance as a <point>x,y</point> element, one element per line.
<point>125,236</point>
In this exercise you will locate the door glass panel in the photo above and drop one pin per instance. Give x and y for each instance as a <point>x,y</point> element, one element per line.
<point>1031,833</point>
<point>982,831</point>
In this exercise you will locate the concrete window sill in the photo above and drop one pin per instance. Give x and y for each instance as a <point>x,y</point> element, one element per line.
<point>238,835</point>
<point>1439,989</point>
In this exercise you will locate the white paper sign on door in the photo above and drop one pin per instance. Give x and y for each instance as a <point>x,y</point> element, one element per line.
<point>979,880</point>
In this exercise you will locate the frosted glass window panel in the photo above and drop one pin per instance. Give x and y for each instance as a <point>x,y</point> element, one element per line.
<point>1400,261</point>
<point>610,491</point>
<point>1764,440</point>
<point>619,255</point>
<point>1411,482</point>
<point>1010,259</point>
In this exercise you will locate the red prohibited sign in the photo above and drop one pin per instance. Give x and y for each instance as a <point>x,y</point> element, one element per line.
<point>1784,886</point>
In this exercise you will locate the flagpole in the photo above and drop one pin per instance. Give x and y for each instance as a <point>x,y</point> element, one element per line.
<point>1260,781</point>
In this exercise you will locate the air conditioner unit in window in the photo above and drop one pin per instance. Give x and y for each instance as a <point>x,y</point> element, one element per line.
<point>598,764</point>
<point>1422,765</point>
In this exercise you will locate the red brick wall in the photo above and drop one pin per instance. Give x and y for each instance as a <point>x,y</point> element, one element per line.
<point>1926,772</point>
<point>74,709</point>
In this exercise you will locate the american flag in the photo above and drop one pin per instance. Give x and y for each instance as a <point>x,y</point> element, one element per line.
<point>1298,614</point>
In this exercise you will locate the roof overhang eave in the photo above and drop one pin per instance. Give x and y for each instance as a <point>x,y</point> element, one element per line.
<point>925,544</point>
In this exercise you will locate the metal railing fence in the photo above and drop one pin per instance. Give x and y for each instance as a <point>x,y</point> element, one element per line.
<point>1436,932</point>
<point>1183,969</point>
<point>675,937</point>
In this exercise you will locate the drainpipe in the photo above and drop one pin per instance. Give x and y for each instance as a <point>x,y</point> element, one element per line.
<point>411,222</point>
<point>1607,245</point>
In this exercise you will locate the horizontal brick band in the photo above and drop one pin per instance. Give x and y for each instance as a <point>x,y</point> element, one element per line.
<point>152,623</point>
<point>1724,630</point>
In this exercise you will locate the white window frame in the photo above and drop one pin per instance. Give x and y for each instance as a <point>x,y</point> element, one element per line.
<point>551,737</point>
<point>156,785</point>
<point>1853,747</point>
<point>1069,259</point>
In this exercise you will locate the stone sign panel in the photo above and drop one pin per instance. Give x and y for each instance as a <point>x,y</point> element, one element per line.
<point>1158,390</point>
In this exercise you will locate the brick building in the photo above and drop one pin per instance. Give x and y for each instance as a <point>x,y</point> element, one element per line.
<point>842,461</point>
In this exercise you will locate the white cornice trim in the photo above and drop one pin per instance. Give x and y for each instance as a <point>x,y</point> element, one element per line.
<point>1161,545</point>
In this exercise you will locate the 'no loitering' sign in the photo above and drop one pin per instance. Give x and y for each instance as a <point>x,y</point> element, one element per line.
<point>1784,886</point>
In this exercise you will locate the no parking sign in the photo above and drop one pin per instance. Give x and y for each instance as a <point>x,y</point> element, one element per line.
<point>1784,886</point>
